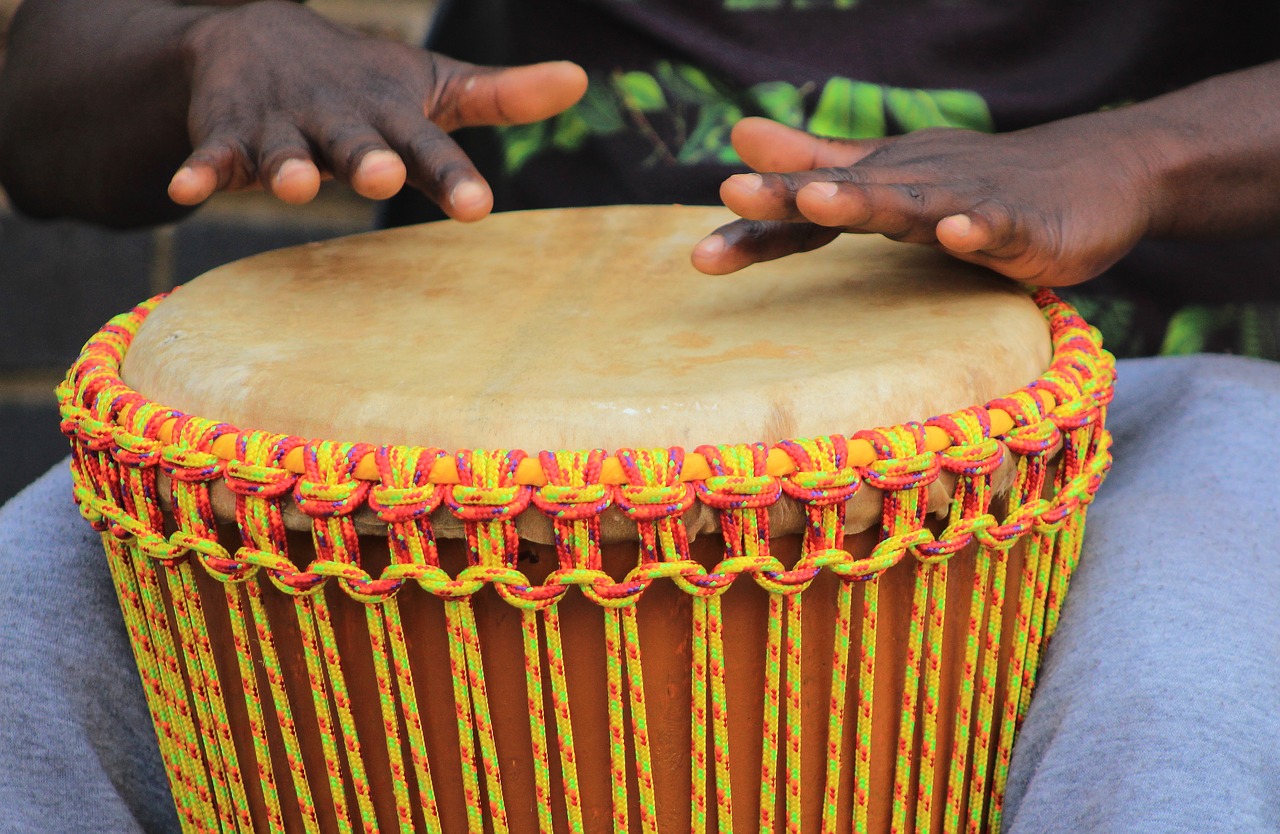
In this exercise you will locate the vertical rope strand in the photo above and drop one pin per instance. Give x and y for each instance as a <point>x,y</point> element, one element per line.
<point>304,609</point>
<point>964,709</point>
<point>932,692</point>
<point>910,693</point>
<point>537,720</point>
<point>462,703</point>
<point>987,695</point>
<point>390,720</point>
<point>719,715</point>
<point>149,670</point>
<point>866,703</point>
<point>772,699</point>
<point>1013,682</point>
<point>698,717</point>
<point>484,723</point>
<point>412,718</point>
<point>639,722</point>
<point>794,681</point>
<point>284,713</point>
<point>564,722</point>
<point>253,707</point>
<point>617,730</point>
<point>835,710</point>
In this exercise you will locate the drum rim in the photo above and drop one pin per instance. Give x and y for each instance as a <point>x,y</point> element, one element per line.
<point>95,402</point>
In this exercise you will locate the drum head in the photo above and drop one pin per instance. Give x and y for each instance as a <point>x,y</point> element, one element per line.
<point>583,328</point>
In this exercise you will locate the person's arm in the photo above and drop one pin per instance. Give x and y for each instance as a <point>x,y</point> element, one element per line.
<point>1055,204</point>
<point>125,112</point>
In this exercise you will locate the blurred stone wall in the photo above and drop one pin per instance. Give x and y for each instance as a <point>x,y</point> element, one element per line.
<point>61,280</point>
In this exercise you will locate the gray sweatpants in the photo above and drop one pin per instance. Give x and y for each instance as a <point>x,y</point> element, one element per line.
<point>1157,709</point>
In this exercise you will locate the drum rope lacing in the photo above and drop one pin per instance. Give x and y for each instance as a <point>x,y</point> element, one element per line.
<point>121,443</point>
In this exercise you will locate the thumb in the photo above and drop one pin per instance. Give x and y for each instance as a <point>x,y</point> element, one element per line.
<point>770,146</point>
<point>471,96</point>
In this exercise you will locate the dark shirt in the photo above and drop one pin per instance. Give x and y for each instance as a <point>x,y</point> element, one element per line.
<point>670,77</point>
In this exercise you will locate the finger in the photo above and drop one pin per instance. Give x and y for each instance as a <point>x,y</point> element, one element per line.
<point>745,242</point>
<point>439,168</point>
<point>901,211</point>
<point>470,96</point>
<point>357,154</point>
<point>219,163</point>
<point>987,228</point>
<point>772,196</point>
<point>769,146</point>
<point>285,166</point>
<point>992,236</point>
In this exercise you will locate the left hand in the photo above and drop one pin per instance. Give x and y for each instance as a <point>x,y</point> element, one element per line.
<point>1051,205</point>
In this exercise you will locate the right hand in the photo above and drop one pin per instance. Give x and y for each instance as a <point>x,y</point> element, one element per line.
<point>281,97</point>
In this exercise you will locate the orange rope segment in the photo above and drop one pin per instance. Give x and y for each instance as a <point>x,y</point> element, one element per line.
<point>530,473</point>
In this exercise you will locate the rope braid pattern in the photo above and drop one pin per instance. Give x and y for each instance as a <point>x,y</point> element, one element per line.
<point>128,482</point>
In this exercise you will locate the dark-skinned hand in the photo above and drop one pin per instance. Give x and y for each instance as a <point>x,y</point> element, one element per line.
<point>280,96</point>
<point>1052,205</point>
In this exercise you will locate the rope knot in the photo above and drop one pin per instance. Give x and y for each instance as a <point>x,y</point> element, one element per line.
<point>402,504</point>
<point>131,450</point>
<point>573,503</point>
<point>649,503</point>
<point>739,492</point>
<point>822,489</point>
<point>475,503</point>
<point>324,500</point>
<point>190,465</point>
<point>250,479</point>
<point>1035,439</point>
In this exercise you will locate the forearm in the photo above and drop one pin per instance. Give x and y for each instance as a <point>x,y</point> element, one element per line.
<point>1212,152</point>
<point>93,108</point>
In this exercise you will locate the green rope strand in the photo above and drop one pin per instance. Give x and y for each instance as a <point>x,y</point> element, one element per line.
<point>304,610</point>
<point>836,708</point>
<point>772,698</point>
<point>484,723</point>
<point>932,690</point>
<point>390,721</point>
<point>964,709</point>
<point>149,672</point>
<point>206,689</point>
<point>719,716</point>
<point>1013,683</point>
<point>537,721</point>
<point>698,718</point>
<point>639,722</point>
<point>564,722</point>
<point>284,713</point>
<point>462,703</point>
<point>617,731</point>
<point>342,700</point>
<point>794,680</point>
<point>253,707</point>
<point>191,756</point>
<point>412,718</point>
<point>987,695</point>
<point>866,703</point>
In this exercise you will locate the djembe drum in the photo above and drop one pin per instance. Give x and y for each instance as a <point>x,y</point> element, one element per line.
<point>735,579</point>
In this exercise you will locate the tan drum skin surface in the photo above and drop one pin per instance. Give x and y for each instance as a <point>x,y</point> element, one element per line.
<point>583,328</point>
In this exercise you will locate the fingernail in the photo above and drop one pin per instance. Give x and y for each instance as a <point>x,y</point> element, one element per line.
<point>825,190</point>
<point>747,182</point>
<point>467,194</point>
<point>288,167</point>
<point>378,159</point>
<point>710,247</point>
<point>184,173</point>
<point>958,223</point>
